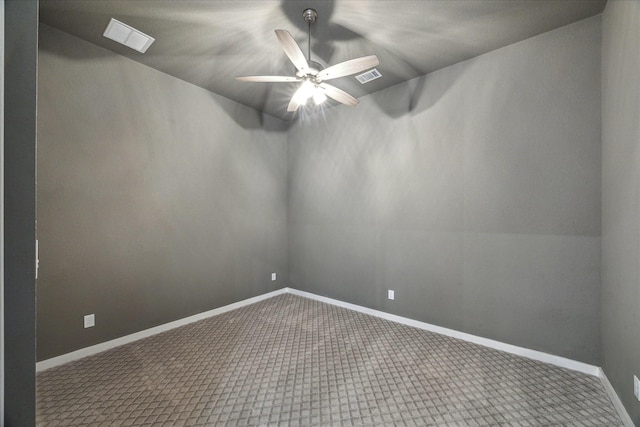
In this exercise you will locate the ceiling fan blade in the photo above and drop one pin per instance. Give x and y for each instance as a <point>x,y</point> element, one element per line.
<point>268,79</point>
<point>339,95</point>
<point>349,67</point>
<point>292,49</point>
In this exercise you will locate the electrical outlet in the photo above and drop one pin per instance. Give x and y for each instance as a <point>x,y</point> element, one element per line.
<point>636,387</point>
<point>391,294</point>
<point>273,277</point>
<point>89,321</point>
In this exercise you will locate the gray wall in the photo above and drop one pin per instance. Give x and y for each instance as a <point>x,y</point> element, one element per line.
<point>473,192</point>
<point>156,199</point>
<point>621,198</point>
<point>21,50</point>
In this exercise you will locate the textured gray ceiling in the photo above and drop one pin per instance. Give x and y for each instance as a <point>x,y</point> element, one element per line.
<point>208,43</point>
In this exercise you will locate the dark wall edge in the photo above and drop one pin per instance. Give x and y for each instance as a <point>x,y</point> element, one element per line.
<point>21,53</point>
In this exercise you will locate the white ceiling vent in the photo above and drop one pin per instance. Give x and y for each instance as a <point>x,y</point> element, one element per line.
<point>128,36</point>
<point>368,76</point>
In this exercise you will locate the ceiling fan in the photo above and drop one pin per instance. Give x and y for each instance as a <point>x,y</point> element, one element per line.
<point>311,74</point>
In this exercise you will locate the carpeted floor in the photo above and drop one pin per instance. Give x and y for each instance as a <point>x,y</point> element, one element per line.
<point>293,361</point>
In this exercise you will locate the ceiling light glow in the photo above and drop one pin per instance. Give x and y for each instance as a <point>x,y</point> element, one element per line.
<point>319,97</point>
<point>304,92</point>
<point>307,89</point>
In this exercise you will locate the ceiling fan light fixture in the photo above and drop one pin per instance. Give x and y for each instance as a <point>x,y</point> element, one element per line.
<point>319,97</point>
<point>305,92</point>
<point>312,75</point>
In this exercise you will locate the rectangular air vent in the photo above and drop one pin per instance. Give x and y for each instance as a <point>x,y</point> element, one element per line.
<point>368,76</point>
<point>128,36</point>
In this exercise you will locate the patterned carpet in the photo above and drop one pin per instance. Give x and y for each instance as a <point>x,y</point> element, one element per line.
<point>293,361</point>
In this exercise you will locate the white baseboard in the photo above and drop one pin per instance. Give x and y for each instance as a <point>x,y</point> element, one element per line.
<point>99,348</point>
<point>513,349</point>
<point>617,403</point>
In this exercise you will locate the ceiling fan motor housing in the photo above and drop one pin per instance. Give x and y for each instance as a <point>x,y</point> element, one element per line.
<point>311,72</point>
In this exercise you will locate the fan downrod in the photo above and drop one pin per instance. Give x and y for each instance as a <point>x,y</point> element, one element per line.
<point>309,16</point>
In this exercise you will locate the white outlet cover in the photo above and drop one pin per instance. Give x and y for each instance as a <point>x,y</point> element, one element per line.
<point>273,277</point>
<point>391,294</point>
<point>89,320</point>
<point>636,387</point>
